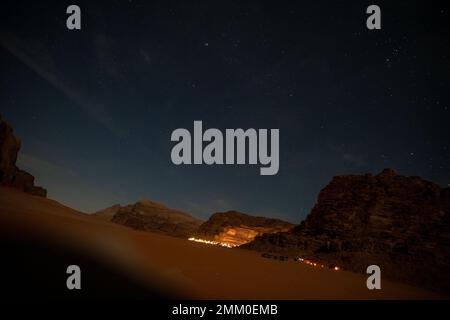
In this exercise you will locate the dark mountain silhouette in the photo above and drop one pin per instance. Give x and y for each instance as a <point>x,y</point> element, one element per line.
<point>151,216</point>
<point>401,224</point>
<point>10,175</point>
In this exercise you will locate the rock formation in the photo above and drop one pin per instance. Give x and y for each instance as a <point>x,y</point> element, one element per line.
<point>107,213</point>
<point>401,224</point>
<point>10,175</point>
<point>151,216</point>
<point>237,228</point>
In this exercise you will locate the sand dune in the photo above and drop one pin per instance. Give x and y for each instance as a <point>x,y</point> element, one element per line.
<point>172,267</point>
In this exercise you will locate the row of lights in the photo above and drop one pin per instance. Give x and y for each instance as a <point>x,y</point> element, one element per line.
<point>216,243</point>
<point>315,264</point>
<point>229,245</point>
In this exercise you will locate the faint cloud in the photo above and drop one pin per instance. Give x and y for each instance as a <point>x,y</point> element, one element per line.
<point>106,52</point>
<point>36,56</point>
<point>42,167</point>
<point>354,159</point>
<point>145,56</point>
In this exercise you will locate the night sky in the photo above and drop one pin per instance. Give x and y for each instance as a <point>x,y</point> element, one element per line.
<point>95,108</point>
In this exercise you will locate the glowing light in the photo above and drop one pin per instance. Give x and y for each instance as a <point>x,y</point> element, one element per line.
<point>216,243</point>
<point>316,264</point>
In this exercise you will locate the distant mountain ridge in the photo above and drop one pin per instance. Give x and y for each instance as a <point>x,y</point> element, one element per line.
<point>237,228</point>
<point>230,227</point>
<point>151,216</point>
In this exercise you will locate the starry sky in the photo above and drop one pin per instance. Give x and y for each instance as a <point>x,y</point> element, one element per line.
<point>95,108</point>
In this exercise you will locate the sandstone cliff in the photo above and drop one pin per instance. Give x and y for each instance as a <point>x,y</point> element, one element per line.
<point>10,175</point>
<point>400,223</point>
<point>151,216</point>
<point>237,228</point>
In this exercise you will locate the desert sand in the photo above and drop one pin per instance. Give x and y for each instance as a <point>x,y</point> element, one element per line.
<point>173,267</point>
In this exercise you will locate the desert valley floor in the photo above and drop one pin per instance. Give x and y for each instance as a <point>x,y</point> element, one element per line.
<point>177,267</point>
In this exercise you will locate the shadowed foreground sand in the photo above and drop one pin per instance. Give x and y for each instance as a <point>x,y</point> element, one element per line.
<point>43,237</point>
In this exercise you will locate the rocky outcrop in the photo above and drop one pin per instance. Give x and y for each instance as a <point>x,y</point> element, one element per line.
<point>236,228</point>
<point>151,216</point>
<point>107,213</point>
<point>401,224</point>
<point>10,175</point>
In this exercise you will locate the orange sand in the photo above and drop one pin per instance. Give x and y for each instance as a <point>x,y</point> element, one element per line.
<point>192,270</point>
